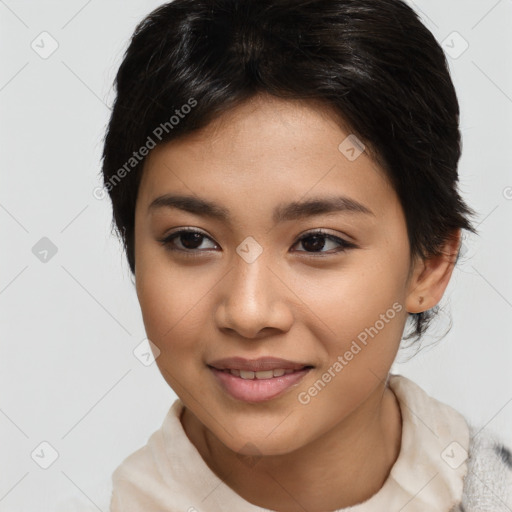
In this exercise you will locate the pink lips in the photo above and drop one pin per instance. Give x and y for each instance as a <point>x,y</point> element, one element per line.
<point>257,389</point>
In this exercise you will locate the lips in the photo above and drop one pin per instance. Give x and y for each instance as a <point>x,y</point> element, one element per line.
<point>257,380</point>
<point>260,375</point>
<point>260,365</point>
<point>257,389</point>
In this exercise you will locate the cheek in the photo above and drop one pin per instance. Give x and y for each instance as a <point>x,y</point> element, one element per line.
<point>174,302</point>
<point>168,320</point>
<point>365,316</point>
<point>344,303</point>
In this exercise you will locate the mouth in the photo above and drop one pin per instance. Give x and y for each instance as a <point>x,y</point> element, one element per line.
<point>262,364</point>
<point>257,380</point>
<point>260,375</point>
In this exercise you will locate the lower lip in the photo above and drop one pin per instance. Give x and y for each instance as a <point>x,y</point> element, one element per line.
<point>257,390</point>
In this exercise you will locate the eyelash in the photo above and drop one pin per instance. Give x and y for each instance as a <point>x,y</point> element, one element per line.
<point>167,243</point>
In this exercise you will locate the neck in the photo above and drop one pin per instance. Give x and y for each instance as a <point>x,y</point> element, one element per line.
<point>345,466</point>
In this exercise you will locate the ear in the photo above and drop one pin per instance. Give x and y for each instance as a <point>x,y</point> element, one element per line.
<point>430,277</point>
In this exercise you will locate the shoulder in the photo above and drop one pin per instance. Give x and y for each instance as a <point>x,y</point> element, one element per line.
<point>488,483</point>
<point>148,474</point>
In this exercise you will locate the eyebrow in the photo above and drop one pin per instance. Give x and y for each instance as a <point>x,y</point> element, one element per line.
<point>283,212</point>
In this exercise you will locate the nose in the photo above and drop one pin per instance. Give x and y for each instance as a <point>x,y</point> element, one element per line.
<point>253,301</point>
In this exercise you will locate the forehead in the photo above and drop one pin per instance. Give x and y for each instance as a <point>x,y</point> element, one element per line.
<point>264,151</point>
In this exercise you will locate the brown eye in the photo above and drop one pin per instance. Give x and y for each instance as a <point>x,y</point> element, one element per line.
<point>315,241</point>
<point>190,240</point>
<point>186,241</point>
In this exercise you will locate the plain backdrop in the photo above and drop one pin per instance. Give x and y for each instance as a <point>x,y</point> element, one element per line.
<point>69,314</point>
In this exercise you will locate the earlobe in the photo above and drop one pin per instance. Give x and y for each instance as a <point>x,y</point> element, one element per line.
<point>431,276</point>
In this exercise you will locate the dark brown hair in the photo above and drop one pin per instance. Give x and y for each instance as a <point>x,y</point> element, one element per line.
<point>371,62</point>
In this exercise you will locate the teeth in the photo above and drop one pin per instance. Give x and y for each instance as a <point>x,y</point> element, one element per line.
<point>268,374</point>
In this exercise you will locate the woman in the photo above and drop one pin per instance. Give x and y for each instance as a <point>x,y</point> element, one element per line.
<point>284,179</point>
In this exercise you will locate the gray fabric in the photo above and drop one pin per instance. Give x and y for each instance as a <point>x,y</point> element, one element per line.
<point>488,483</point>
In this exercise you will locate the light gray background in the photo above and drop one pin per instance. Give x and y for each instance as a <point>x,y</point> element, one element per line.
<point>68,375</point>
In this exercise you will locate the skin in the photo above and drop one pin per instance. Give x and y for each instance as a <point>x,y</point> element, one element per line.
<point>294,302</point>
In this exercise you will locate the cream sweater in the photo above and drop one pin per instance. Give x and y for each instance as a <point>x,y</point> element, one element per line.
<point>444,465</point>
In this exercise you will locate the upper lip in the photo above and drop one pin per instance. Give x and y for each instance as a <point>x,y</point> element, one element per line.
<point>256,365</point>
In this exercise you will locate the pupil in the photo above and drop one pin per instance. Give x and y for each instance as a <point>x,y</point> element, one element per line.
<point>319,242</point>
<point>187,238</point>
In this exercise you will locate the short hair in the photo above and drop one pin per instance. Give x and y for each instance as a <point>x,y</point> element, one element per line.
<point>372,63</point>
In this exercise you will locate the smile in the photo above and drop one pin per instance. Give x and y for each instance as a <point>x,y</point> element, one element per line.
<point>262,375</point>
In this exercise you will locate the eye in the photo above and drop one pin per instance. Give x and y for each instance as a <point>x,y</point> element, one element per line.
<point>315,241</point>
<point>188,240</point>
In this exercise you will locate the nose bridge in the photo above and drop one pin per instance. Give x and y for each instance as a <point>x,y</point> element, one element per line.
<point>250,286</point>
<point>253,298</point>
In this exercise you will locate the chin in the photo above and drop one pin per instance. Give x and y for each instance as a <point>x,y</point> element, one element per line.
<point>256,441</point>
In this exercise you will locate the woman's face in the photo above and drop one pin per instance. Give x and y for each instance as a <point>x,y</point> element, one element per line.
<point>247,286</point>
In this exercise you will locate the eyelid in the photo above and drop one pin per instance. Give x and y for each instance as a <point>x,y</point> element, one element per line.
<point>322,231</point>
<point>182,229</point>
